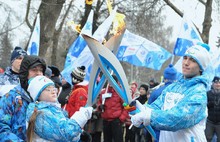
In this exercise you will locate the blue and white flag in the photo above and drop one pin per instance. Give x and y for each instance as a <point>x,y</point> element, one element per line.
<point>188,36</point>
<point>139,51</point>
<point>34,43</point>
<point>83,56</point>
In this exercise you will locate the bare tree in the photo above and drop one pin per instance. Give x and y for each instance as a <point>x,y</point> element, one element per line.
<point>207,17</point>
<point>5,42</point>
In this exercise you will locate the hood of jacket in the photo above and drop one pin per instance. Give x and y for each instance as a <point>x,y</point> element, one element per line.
<point>26,63</point>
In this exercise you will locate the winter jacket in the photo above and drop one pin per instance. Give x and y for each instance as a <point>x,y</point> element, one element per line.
<point>78,98</point>
<point>13,112</point>
<point>113,106</point>
<point>66,88</point>
<point>13,105</point>
<point>9,77</point>
<point>213,106</point>
<point>184,111</point>
<point>53,124</point>
<point>156,93</point>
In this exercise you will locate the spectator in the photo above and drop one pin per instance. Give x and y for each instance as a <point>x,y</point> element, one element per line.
<point>113,113</point>
<point>66,89</point>
<point>13,105</point>
<point>47,121</point>
<point>10,76</point>
<point>213,120</point>
<point>180,112</point>
<point>134,90</point>
<point>79,94</point>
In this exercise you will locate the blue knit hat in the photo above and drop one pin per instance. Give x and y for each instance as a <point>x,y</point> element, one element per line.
<point>18,51</point>
<point>170,73</point>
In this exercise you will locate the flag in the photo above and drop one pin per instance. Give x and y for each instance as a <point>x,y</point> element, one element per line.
<point>140,51</point>
<point>84,56</point>
<point>34,43</point>
<point>188,37</point>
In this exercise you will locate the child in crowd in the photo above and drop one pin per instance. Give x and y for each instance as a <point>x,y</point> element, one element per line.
<point>46,119</point>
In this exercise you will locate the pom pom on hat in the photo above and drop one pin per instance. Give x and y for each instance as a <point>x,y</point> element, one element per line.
<point>37,85</point>
<point>17,52</point>
<point>170,73</point>
<point>78,74</point>
<point>200,53</point>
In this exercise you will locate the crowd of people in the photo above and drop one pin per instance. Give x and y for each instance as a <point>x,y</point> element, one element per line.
<point>38,105</point>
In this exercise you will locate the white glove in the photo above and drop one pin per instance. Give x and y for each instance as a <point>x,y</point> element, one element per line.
<point>83,115</point>
<point>142,117</point>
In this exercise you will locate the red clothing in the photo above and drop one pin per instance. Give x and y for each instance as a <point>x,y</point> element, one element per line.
<point>77,99</point>
<point>113,107</point>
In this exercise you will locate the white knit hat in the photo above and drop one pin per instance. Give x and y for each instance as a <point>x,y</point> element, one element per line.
<point>37,85</point>
<point>200,54</point>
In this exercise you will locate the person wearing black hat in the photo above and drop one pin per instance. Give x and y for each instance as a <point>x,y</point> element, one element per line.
<point>79,94</point>
<point>13,105</point>
<point>213,119</point>
<point>10,76</point>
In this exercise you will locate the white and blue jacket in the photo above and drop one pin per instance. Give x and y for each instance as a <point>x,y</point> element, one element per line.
<point>53,124</point>
<point>180,112</point>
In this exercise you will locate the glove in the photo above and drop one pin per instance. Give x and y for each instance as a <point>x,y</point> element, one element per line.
<point>143,117</point>
<point>83,115</point>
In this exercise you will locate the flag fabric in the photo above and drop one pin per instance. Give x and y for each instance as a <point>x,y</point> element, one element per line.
<point>84,56</point>
<point>139,51</point>
<point>34,43</point>
<point>188,36</point>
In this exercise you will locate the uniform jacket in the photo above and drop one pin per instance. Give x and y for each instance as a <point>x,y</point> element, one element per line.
<point>78,98</point>
<point>9,77</point>
<point>213,106</point>
<point>13,105</point>
<point>13,112</point>
<point>53,124</point>
<point>185,102</point>
<point>156,93</point>
<point>113,107</point>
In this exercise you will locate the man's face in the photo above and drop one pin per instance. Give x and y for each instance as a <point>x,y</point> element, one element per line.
<point>16,64</point>
<point>216,85</point>
<point>190,68</point>
<point>38,70</point>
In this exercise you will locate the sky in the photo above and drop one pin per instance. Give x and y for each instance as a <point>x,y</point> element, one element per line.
<point>195,11</point>
<point>192,8</point>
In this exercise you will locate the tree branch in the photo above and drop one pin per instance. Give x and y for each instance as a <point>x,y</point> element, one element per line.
<point>201,1</point>
<point>174,8</point>
<point>64,17</point>
<point>27,13</point>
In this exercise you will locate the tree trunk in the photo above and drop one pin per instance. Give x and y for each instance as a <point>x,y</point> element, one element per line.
<point>207,21</point>
<point>49,12</point>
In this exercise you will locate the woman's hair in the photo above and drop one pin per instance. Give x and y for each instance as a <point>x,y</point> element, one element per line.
<point>31,125</point>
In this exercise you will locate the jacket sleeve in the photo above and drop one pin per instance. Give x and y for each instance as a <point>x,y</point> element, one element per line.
<point>6,112</point>
<point>186,113</point>
<point>124,115</point>
<point>56,128</point>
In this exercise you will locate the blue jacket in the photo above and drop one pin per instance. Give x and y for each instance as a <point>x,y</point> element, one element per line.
<point>13,107</point>
<point>9,78</point>
<point>181,110</point>
<point>156,93</point>
<point>53,123</point>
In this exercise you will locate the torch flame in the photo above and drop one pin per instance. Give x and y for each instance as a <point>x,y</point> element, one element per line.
<point>74,26</point>
<point>118,22</point>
